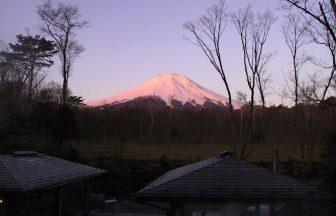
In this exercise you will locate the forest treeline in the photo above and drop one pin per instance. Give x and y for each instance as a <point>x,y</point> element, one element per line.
<point>304,125</point>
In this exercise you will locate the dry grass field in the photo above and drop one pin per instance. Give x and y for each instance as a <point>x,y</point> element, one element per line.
<point>93,149</point>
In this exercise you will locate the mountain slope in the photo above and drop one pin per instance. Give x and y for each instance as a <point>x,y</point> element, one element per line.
<point>169,88</point>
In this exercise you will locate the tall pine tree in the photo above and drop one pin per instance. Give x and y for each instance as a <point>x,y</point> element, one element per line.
<point>33,53</point>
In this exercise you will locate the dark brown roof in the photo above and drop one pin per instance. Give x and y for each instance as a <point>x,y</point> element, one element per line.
<point>25,172</point>
<point>229,179</point>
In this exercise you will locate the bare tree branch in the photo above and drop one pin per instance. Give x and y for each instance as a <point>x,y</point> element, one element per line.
<point>321,28</point>
<point>253,30</point>
<point>206,33</point>
<point>61,23</point>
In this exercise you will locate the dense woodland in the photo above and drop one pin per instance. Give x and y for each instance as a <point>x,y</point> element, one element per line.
<point>45,116</point>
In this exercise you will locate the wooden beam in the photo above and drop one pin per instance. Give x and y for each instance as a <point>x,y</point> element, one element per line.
<point>181,209</point>
<point>176,208</point>
<point>275,161</point>
<point>257,209</point>
<point>272,209</point>
<point>172,209</point>
<point>87,197</point>
<point>59,199</point>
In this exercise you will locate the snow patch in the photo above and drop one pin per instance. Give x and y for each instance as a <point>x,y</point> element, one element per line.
<point>168,87</point>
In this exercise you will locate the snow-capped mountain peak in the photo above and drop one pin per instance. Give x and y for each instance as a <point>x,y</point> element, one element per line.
<point>168,87</point>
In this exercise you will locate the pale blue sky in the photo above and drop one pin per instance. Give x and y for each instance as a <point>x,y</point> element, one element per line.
<point>131,41</point>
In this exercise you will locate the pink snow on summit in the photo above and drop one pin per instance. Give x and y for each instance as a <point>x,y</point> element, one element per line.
<point>168,87</point>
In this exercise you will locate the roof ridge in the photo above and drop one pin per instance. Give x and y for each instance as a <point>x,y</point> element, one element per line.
<point>149,187</point>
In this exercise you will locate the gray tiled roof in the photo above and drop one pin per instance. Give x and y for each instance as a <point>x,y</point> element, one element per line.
<point>25,173</point>
<point>227,178</point>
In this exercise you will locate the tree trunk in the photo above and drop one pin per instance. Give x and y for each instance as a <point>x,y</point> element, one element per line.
<point>66,70</point>
<point>31,79</point>
<point>152,121</point>
<point>65,81</point>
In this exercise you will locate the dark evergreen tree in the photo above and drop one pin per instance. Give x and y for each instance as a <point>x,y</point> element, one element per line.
<point>329,151</point>
<point>41,120</point>
<point>75,101</point>
<point>32,53</point>
<point>329,157</point>
<point>64,128</point>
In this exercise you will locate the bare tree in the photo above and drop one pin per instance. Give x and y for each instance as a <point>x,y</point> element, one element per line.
<point>61,23</point>
<point>321,17</point>
<point>322,37</point>
<point>322,11</point>
<point>73,51</point>
<point>294,31</point>
<point>3,66</point>
<point>253,30</point>
<point>51,92</point>
<point>333,85</point>
<point>263,84</point>
<point>206,33</point>
<point>3,45</point>
<point>242,99</point>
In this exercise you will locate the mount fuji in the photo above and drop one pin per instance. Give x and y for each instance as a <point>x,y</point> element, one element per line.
<point>169,89</point>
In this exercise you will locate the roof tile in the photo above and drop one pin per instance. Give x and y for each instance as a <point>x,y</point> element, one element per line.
<point>24,173</point>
